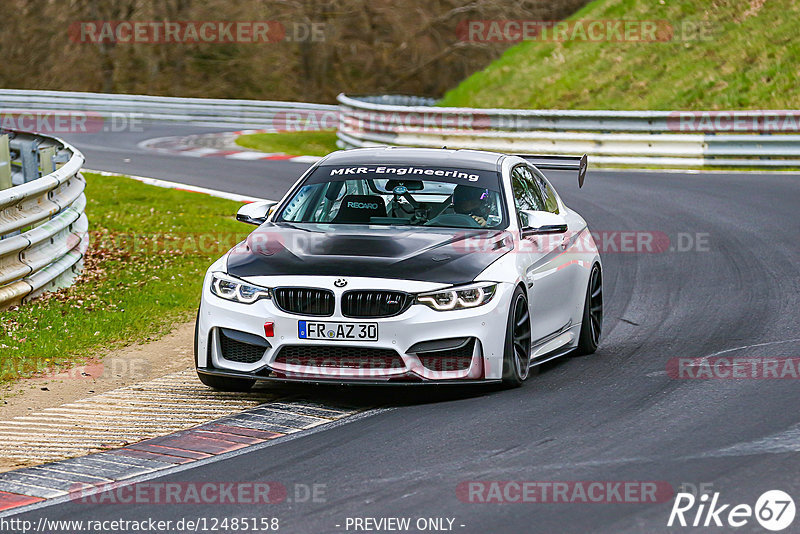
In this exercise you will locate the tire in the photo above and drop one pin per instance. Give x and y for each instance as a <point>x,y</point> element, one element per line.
<point>220,383</point>
<point>516,356</point>
<point>226,383</point>
<point>592,322</point>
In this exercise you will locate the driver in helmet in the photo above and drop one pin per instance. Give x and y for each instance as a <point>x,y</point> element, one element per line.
<point>472,201</point>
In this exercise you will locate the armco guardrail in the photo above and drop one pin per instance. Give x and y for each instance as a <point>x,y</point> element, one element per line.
<point>610,137</point>
<point>655,138</point>
<point>207,111</point>
<point>43,228</point>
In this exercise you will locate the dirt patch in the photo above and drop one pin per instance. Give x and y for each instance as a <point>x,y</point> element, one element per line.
<point>118,368</point>
<point>10,464</point>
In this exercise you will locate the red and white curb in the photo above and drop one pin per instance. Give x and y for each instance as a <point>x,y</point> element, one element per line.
<point>135,429</point>
<point>182,187</point>
<point>218,145</point>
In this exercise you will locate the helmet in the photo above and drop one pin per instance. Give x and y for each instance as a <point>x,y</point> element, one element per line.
<point>471,200</point>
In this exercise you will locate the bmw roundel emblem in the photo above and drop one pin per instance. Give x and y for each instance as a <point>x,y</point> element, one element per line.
<point>341,282</point>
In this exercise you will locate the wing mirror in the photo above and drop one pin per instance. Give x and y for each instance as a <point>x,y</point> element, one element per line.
<point>541,222</point>
<point>256,212</point>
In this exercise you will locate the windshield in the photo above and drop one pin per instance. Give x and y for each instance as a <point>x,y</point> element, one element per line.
<point>404,195</point>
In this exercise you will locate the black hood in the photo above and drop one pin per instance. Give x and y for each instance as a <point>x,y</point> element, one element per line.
<point>426,254</point>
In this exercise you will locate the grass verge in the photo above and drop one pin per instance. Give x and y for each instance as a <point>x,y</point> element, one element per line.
<point>319,143</point>
<point>149,249</point>
<point>722,55</point>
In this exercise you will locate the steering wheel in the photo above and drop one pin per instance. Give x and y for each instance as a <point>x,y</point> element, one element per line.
<point>401,191</point>
<point>458,220</point>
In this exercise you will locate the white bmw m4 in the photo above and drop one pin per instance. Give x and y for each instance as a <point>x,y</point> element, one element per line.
<point>404,266</point>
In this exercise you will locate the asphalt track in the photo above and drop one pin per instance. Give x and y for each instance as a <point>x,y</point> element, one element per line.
<point>614,416</point>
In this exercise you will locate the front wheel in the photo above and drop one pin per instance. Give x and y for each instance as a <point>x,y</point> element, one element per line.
<point>592,322</point>
<point>517,354</point>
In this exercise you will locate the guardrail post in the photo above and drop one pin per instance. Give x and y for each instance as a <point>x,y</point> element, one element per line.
<point>46,163</point>
<point>29,154</point>
<point>5,163</point>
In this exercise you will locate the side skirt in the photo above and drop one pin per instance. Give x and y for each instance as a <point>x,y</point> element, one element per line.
<point>556,345</point>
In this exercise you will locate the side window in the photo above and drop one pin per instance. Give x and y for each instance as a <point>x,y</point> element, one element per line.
<point>548,195</point>
<point>527,195</point>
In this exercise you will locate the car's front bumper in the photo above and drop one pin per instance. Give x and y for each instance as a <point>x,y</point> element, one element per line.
<point>406,335</point>
<point>411,380</point>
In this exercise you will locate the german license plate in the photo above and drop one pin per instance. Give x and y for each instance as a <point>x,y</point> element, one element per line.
<point>337,331</point>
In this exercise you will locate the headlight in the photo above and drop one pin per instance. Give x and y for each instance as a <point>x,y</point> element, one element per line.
<point>459,298</point>
<point>230,288</point>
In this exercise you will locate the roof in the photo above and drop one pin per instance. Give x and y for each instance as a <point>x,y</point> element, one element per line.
<point>467,159</point>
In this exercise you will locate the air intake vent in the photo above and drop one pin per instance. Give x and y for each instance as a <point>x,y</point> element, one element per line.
<point>452,359</point>
<point>235,350</point>
<point>374,304</point>
<point>305,300</point>
<point>342,357</point>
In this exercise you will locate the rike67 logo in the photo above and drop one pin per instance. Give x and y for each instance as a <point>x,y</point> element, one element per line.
<point>774,510</point>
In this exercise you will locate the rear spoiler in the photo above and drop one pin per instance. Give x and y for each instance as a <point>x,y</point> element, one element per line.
<point>551,162</point>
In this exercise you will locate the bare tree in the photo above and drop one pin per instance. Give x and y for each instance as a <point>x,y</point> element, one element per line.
<point>367,46</point>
